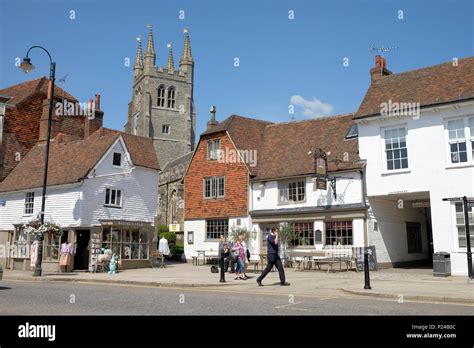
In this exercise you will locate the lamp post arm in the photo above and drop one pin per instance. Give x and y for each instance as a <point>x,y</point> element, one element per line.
<point>44,49</point>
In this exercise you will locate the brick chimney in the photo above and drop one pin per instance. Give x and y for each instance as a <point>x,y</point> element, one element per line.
<point>380,68</point>
<point>43,131</point>
<point>95,121</point>
<point>212,122</point>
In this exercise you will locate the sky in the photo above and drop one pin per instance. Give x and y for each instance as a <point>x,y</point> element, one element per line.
<point>312,57</point>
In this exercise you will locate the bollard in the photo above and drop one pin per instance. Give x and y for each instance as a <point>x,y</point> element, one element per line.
<point>366,269</point>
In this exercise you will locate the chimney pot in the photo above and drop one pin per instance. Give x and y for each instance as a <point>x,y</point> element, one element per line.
<point>97,101</point>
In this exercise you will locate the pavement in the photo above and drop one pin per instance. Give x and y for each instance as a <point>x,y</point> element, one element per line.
<point>398,284</point>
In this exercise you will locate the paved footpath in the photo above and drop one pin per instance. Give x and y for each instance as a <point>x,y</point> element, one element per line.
<point>399,284</point>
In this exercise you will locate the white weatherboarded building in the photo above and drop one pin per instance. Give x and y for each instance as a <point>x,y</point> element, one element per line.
<point>102,191</point>
<point>415,159</point>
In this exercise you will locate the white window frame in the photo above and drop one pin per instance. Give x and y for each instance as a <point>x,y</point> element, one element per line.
<point>110,204</point>
<point>284,191</point>
<point>458,140</point>
<point>213,149</point>
<point>384,150</point>
<point>455,227</point>
<point>29,206</point>
<point>214,181</point>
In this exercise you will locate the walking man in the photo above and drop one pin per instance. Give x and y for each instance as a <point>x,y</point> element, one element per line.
<point>273,259</point>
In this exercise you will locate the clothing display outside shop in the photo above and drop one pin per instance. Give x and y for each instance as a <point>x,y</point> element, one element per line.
<point>34,254</point>
<point>66,256</point>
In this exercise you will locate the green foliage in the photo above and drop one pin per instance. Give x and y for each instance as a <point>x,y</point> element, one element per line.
<point>161,228</point>
<point>235,232</point>
<point>171,237</point>
<point>287,233</point>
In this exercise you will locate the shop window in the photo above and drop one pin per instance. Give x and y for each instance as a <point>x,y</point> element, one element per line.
<point>216,228</point>
<point>29,203</point>
<point>128,244</point>
<point>461,226</point>
<point>22,243</point>
<point>304,234</point>
<point>339,233</point>
<point>51,246</point>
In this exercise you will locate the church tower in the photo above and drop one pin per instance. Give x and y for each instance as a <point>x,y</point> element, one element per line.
<point>162,106</point>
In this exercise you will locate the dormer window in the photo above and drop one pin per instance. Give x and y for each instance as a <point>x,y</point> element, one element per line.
<point>117,159</point>
<point>353,132</point>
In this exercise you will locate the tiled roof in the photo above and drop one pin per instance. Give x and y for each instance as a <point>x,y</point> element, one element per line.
<point>246,133</point>
<point>70,161</point>
<point>22,91</point>
<point>437,84</point>
<point>285,147</point>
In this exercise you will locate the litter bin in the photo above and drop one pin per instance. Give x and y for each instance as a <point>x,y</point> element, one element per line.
<point>441,264</point>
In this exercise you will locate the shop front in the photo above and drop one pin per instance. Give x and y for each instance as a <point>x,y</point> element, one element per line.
<point>131,241</point>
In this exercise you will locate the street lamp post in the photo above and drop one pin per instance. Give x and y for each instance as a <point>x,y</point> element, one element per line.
<point>26,66</point>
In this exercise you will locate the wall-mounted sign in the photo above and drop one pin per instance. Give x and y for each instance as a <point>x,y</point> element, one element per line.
<point>174,227</point>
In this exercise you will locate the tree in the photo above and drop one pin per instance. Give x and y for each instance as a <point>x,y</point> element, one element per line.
<point>286,235</point>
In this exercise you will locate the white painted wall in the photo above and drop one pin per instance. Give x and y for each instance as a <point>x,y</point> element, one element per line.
<point>200,243</point>
<point>82,204</point>
<point>429,170</point>
<point>348,189</point>
<point>390,239</point>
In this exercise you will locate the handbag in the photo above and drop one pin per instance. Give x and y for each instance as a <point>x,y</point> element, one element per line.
<point>214,269</point>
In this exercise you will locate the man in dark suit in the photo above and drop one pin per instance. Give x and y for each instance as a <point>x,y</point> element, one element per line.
<point>273,259</point>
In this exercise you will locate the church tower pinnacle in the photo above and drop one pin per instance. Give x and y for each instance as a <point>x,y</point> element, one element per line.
<point>150,55</point>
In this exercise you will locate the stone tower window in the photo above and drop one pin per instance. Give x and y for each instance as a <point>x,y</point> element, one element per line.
<point>161,96</point>
<point>171,97</point>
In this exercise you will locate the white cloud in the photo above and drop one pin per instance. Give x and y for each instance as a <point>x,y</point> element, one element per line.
<point>312,108</point>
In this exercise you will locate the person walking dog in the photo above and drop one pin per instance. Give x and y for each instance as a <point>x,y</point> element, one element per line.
<point>273,259</point>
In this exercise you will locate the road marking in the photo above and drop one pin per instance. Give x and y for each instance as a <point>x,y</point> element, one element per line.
<point>286,306</point>
<point>341,295</point>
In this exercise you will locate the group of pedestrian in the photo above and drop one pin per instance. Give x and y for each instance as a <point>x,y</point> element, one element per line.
<point>234,255</point>
<point>238,254</point>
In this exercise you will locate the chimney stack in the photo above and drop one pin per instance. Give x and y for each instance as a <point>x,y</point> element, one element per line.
<point>97,101</point>
<point>43,131</point>
<point>212,122</point>
<point>380,68</point>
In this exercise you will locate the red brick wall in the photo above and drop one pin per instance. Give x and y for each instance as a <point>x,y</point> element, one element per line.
<point>21,130</point>
<point>236,184</point>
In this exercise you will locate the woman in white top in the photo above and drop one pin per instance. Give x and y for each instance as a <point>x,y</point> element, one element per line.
<point>246,260</point>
